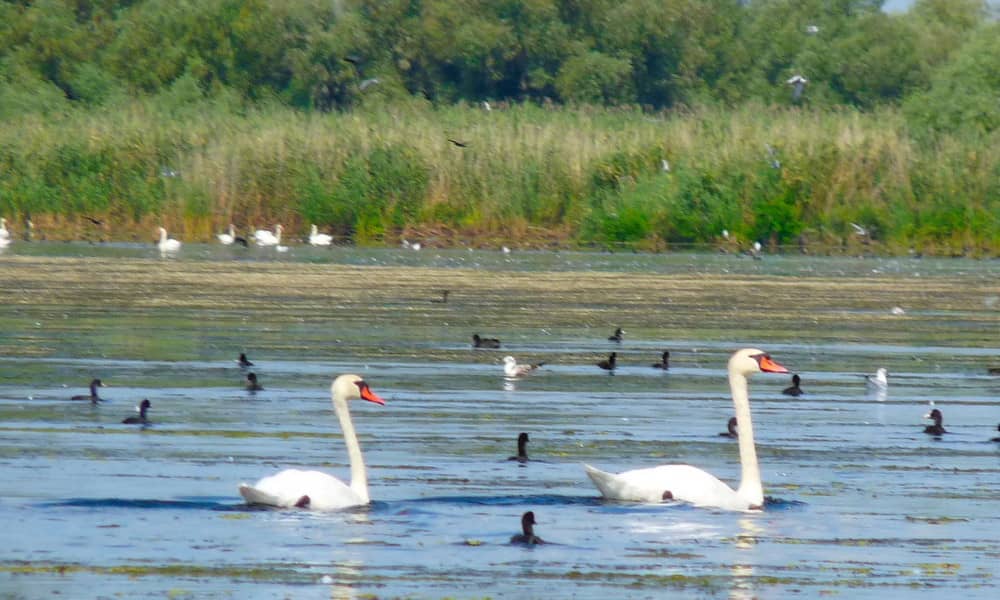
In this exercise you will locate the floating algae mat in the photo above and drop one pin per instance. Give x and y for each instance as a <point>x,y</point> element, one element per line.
<point>861,502</point>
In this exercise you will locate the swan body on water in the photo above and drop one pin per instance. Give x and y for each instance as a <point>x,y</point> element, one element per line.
<point>264,237</point>
<point>691,484</point>
<point>314,489</point>
<point>227,239</point>
<point>319,239</point>
<point>167,244</point>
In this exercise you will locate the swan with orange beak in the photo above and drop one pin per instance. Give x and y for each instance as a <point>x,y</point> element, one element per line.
<point>690,484</point>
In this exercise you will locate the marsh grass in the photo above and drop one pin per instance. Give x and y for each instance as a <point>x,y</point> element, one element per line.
<point>526,174</point>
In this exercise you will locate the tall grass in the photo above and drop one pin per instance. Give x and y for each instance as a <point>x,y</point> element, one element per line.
<point>527,173</point>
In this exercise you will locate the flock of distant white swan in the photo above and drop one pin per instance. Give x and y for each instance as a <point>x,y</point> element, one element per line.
<point>169,246</point>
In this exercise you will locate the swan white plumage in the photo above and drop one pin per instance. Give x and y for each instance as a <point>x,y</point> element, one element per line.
<point>227,238</point>
<point>319,239</point>
<point>314,489</point>
<point>167,244</point>
<point>690,484</point>
<point>263,237</point>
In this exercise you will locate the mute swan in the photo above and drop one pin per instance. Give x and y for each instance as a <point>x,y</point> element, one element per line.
<point>481,342</point>
<point>141,419</point>
<point>319,239</point>
<point>690,484</point>
<point>314,489</point>
<point>609,364</point>
<point>794,389</point>
<point>937,428</point>
<point>512,369</point>
<point>167,244</point>
<point>92,396</point>
<point>664,361</point>
<point>617,336</point>
<point>528,531</point>
<point>522,450</point>
<point>263,237</point>
<point>227,238</point>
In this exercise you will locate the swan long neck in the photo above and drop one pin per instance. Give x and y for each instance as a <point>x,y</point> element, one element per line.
<point>750,485</point>
<point>359,476</point>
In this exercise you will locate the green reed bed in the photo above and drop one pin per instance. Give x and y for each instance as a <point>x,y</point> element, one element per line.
<point>527,175</point>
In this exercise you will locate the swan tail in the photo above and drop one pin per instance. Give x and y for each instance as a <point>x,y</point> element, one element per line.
<point>254,496</point>
<point>605,482</point>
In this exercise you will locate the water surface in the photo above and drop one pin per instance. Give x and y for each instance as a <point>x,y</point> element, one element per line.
<point>863,504</point>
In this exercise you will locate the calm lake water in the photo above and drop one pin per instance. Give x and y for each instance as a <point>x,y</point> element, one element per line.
<point>863,504</point>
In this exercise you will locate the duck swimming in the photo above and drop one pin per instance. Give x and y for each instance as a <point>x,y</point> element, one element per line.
<point>141,418</point>
<point>935,429</point>
<point>617,336</point>
<point>522,450</point>
<point>252,384</point>
<point>732,431</point>
<point>243,361</point>
<point>527,535</point>
<point>92,396</point>
<point>794,389</point>
<point>481,342</point>
<point>609,363</point>
<point>664,361</point>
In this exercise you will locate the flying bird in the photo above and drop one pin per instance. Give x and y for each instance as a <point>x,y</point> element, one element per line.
<point>798,84</point>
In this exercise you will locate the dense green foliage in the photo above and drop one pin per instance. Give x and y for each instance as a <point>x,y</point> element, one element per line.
<point>339,113</point>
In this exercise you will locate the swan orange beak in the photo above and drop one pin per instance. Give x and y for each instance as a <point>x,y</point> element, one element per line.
<point>369,395</point>
<point>769,366</point>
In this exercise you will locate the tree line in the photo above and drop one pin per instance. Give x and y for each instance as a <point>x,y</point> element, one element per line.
<point>939,60</point>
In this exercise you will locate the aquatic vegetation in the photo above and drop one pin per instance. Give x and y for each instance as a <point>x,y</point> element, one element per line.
<point>533,176</point>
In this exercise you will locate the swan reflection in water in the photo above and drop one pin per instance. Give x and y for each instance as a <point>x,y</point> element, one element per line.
<point>742,572</point>
<point>344,579</point>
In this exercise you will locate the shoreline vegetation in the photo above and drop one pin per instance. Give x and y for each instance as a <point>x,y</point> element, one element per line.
<point>807,125</point>
<point>824,181</point>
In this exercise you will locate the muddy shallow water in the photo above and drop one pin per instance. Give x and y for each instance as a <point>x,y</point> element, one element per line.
<point>863,503</point>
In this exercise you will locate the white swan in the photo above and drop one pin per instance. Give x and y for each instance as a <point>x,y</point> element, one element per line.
<point>263,237</point>
<point>314,489</point>
<point>319,239</point>
<point>690,484</point>
<point>167,244</point>
<point>227,238</point>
